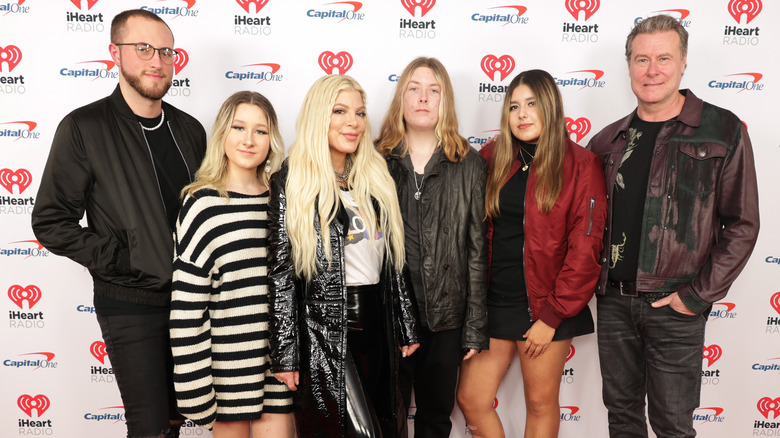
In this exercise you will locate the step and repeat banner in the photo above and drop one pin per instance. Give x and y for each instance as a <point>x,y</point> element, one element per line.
<point>57,380</point>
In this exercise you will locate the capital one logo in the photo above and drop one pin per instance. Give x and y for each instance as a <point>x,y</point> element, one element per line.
<point>767,405</point>
<point>712,353</point>
<point>27,403</point>
<point>20,178</point>
<point>579,127</point>
<point>31,294</point>
<point>341,61</point>
<point>570,354</point>
<point>751,9</point>
<point>181,60</point>
<point>80,4</point>
<point>98,351</point>
<point>259,4</point>
<point>10,55</point>
<point>503,65</point>
<point>683,12</point>
<point>424,5</point>
<point>588,6</point>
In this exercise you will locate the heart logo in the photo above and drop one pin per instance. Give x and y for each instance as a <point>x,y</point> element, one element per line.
<point>767,405</point>
<point>19,294</point>
<point>21,178</point>
<point>341,61</point>
<point>775,301</point>
<point>425,6</point>
<point>27,403</point>
<point>491,64</point>
<point>98,350</point>
<point>258,4</point>
<point>570,354</point>
<point>751,8</point>
<point>575,6</point>
<point>181,60</point>
<point>712,354</point>
<point>579,127</point>
<point>11,55</point>
<point>90,3</point>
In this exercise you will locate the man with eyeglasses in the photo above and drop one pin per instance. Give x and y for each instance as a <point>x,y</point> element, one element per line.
<point>123,161</point>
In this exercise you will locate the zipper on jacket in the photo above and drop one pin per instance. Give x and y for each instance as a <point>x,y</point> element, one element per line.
<point>184,160</point>
<point>590,215</point>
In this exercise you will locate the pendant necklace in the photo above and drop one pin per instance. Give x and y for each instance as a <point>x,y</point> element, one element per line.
<point>418,186</point>
<point>343,177</point>
<point>162,119</point>
<point>526,164</point>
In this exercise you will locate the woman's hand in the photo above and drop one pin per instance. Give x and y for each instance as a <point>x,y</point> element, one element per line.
<point>537,339</point>
<point>289,378</point>
<point>408,350</point>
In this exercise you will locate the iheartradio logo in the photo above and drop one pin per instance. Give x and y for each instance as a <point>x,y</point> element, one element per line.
<point>31,294</point>
<point>27,403</point>
<point>579,127</point>
<point>424,5</point>
<point>80,4</point>
<point>751,9</point>
<point>181,60</point>
<point>712,353</point>
<point>491,64</point>
<point>588,6</point>
<point>570,354</point>
<point>259,4</point>
<point>341,61</point>
<point>775,301</point>
<point>767,405</point>
<point>98,350</point>
<point>20,178</point>
<point>10,55</point>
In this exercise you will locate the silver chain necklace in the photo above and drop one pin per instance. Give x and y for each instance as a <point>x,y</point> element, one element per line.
<point>419,187</point>
<point>343,177</point>
<point>162,119</point>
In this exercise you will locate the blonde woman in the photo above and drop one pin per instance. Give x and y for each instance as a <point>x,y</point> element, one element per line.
<point>546,205</point>
<point>441,189</point>
<point>219,304</point>
<point>340,310</point>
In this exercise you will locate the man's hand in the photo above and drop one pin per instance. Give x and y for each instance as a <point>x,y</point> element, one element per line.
<point>408,350</point>
<point>676,303</point>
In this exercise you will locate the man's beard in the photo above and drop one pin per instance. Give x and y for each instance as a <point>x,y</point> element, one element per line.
<point>147,92</point>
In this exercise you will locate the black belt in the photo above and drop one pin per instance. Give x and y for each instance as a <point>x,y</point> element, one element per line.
<point>628,289</point>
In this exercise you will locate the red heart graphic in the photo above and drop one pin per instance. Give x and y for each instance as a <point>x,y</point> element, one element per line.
<point>767,405</point>
<point>712,354</point>
<point>90,3</point>
<point>12,55</point>
<point>98,350</point>
<point>570,354</point>
<point>19,294</point>
<point>425,6</point>
<point>27,403</point>
<point>575,6</point>
<point>181,60</point>
<point>775,301</point>
<point>21,178</point>
<point>751,8</point>
<point>341,61</point>
<point>579,127</point>
<point>258,4</point>
<point>491,64</point>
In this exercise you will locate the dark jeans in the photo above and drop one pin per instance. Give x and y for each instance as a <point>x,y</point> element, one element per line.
<point>433,371</point>
<point>653,352</point>
<point>139,349</point>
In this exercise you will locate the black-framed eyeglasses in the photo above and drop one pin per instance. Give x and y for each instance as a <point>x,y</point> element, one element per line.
<point>146,51</point>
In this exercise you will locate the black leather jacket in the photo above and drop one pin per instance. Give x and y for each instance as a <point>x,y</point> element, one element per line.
<point>309,324</point>
<point>453,236</point>
<point>101,163</point>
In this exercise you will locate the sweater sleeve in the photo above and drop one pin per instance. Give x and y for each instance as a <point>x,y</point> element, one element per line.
<point>190,326</point>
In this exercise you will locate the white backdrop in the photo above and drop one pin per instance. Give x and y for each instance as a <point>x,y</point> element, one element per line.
<point>53,58</point>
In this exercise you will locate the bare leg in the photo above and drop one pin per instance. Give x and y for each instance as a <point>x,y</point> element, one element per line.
<point>230,429</point>
<point>274,426</point>
<point>542,380</point>
<point>480,377</point>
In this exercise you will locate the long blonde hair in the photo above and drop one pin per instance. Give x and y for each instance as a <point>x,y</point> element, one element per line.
<point>213,171</point>
<point>550,149</point>
<point>394,126</point>
<point>311,182</point>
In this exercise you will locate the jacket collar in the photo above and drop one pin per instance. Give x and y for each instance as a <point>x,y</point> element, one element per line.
<point>118,100</point>
<point>689,115</point>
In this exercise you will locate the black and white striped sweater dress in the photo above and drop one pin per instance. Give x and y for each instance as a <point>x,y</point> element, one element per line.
<point>219,311</point>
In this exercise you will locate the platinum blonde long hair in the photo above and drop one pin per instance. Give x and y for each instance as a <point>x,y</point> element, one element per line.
<point>213,171</point>
<point>311,184</point>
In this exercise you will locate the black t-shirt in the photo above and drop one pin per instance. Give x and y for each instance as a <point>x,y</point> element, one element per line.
<point>507,276</point>
<point>628,199</point>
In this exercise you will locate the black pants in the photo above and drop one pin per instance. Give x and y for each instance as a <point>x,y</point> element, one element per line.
<point>433,372</point>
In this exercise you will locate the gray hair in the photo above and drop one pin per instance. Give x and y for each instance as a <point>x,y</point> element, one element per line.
<point>658,23</point>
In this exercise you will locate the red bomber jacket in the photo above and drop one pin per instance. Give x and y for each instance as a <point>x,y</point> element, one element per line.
<point>562,248</point>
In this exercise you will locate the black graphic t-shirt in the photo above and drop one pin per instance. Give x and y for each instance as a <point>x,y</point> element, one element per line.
<point>628,199</point>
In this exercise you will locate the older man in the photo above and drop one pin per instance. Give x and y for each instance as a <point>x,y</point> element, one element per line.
<point>123,160</point>
<point>683,222</point>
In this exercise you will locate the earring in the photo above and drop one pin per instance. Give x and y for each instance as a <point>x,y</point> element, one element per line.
<point>267,167</point>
